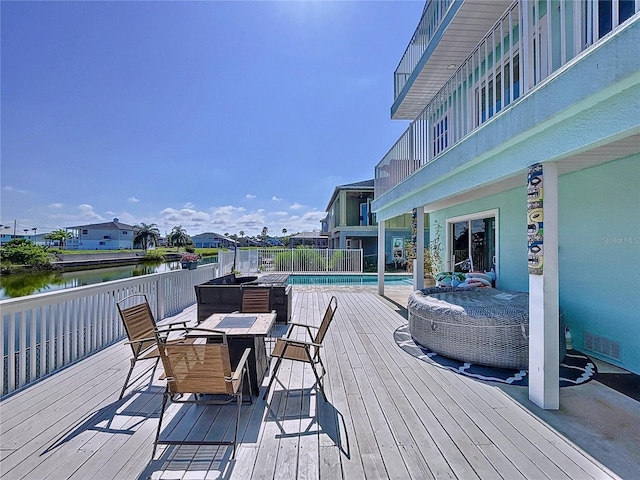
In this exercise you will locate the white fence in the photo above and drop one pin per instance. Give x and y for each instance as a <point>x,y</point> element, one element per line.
<point>45,332</point>
<point>296,260</point>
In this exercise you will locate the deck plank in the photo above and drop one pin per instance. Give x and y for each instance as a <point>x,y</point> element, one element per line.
<point>388,415</point>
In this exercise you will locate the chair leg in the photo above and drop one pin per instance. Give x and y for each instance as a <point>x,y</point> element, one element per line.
<point>165,395</point>
<point>126,382</point>
<point>235,435</point>
<point>315,372</point>
<point>248,380</point>
<point>273,377</point>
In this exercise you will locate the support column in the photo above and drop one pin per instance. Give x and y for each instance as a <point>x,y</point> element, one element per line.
<point>419,268</point>
<point>381,257</point>
<point>544,322</point>
<point>343,208</point>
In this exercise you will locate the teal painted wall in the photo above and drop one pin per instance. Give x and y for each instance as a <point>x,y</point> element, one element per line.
<point>600,255</point>
<point>599,251</point>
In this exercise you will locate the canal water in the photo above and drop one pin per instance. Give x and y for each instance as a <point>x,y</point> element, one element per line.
<point>20,285</point>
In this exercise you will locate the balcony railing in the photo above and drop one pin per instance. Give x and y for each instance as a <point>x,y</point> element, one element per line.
<point>432,16</point>
<point>43,333</point>
<point>529,42</point>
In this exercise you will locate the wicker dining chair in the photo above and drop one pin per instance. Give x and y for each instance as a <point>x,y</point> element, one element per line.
<point>140,327</point>
<point>197,369</point>
<point>287,348</point>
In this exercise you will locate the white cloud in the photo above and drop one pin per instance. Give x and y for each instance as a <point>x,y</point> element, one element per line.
<point>276,199</point>
<point>9,188</point>
<point>133,199</point>
<point>249,196</point>
<point>296,206</point>
<point>85,214</point>
<point>281,214</point>
<point>189,205</point>
<point>55,205</point>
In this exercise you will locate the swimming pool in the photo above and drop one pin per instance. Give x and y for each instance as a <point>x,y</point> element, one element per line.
<point>364,279</point>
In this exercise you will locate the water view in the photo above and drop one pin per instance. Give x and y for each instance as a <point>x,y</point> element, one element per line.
<point>20,285</point>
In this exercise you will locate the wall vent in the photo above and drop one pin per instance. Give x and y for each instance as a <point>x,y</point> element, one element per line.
<point>602,345</point>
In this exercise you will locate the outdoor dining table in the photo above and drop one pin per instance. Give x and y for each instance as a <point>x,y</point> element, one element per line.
<point>243,330</point>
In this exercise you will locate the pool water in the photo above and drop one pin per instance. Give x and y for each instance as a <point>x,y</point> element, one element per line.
<point>371,279</point>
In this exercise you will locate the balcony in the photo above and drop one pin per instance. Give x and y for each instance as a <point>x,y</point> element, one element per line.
<point>448,30</point>
<point>502,70</point>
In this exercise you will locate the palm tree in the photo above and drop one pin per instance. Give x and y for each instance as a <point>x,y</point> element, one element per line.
<point>265,231</point>
<point>147,235</point>
<point>178,237</point>
<point>241,236</point>
<point>61,235</point>
<point>284,236</point>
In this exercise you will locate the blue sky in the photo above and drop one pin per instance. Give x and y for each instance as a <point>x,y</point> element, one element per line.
<point>217,116</point>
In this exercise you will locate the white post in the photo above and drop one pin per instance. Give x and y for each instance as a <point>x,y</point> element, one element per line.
<point>419,266</point>
<point>381,263</point>
<point>544,327</point>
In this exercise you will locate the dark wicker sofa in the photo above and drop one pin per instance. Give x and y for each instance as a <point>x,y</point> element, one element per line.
<point>224,295</point>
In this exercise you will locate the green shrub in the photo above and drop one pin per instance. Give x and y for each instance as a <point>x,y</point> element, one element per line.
<point>21,251</point>
<point>153,256</point>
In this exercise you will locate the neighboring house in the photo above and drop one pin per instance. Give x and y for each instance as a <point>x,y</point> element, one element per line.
<point>6,237</point>
<point>351,224</point>
<point>494,87</point>
<point>212,240</point>
<point>309,239</point>
<point>101,236</point>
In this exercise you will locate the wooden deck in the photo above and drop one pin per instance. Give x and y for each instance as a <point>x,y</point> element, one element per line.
<point>388,416</point>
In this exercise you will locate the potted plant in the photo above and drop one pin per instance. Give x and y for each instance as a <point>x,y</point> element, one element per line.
<point>189,261</point>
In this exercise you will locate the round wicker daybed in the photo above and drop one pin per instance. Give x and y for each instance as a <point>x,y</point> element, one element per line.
<point>480,325</point>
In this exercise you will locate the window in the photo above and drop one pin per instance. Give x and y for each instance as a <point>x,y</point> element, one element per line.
<point>626,9</point>
<point>605,22</point>
<point>84,232</point>
<point>124,232</point>
<point>472,242</point>
<point>440,135</point>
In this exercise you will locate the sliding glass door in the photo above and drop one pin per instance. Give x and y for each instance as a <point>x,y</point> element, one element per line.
<point>471,242</point>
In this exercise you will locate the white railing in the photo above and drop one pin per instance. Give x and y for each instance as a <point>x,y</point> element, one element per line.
<point>284,260</point>
<point>432,16</point>
<point>310,260</point>
<point>45,332</point>
<point>527,44</point>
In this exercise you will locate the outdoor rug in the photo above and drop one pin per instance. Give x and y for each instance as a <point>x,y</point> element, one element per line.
<point>574,370</point>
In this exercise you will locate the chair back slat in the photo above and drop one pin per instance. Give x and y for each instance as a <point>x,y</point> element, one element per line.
<point>196,368</point>
<point>326,320</point>
<point>255,300</point>
<point>138,322</point>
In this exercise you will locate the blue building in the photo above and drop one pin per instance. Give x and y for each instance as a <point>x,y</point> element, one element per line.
<point>212,240</point>
<point>113,235</point>
<point>509,100</point>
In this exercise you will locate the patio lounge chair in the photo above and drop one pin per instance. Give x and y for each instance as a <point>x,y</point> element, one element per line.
<point>140,327</point>
<point>200,369</point>
<point>301,351</point>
